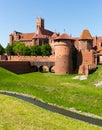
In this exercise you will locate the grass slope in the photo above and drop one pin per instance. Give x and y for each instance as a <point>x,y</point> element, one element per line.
<point>16,114</point>
<point>60,90</point>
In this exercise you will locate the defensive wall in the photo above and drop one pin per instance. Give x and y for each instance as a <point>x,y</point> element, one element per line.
<point>31,58</point>
<point>25,64</point>
<point>86,63</point>
<point>17,66</point>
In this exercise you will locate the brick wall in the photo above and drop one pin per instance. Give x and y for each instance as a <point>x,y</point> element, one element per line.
<point>17,66</point>
<point>86,61</point>
<point>86,57</point>
<point>31,58</point>
<point>3,57</point>
<point>63,57</point>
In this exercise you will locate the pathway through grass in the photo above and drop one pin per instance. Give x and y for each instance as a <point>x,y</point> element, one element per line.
<point>16,114</point>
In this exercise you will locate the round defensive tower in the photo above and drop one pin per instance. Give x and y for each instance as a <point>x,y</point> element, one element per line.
<point>63,54</point>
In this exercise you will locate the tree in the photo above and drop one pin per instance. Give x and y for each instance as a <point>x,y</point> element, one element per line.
<point>36,50</point>
<point>46,50</point>
<point>9,50</point>
<point>26,51</point>
<point>18,48</point>
<point>1,50</point>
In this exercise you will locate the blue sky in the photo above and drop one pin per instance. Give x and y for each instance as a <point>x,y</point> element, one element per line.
<point>70,15</point>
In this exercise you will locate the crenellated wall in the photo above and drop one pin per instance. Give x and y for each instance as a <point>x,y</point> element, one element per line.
<point>31,58</point>
<point>25,64</point>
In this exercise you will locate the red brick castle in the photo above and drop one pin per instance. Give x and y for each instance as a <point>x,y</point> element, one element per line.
<point>69,55</point>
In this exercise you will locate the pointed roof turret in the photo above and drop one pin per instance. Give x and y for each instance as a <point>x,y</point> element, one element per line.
<point>85,35</point>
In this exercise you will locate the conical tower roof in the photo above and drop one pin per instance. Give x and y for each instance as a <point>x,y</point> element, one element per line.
<point>64,36</point>
<point>85,35</point>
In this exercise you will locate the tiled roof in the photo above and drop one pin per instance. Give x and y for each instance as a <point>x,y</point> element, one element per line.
<point>29,36</point>
<point>85,35</point>
<point>64,36</point>
<point>40,36</point>
<point>42,33</point>
<point>26,36</point>
<point>54,35</point>
<point>46,32</point>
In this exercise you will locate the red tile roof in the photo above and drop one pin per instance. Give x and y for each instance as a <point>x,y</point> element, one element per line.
<point>54,35</point>
<point>85,35</point>
<point>40,36</point>
<point>46,32</point>
<point>26,36</point>
<point>64,36</point>
<point>42,33</point>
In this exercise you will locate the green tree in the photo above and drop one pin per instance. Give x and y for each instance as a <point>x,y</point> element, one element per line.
<point>18,48</point>
<point>26,51</point>
<point>46,50</point>
<point>1,50</point>
<point>9,50</point>
<point>36,50</point>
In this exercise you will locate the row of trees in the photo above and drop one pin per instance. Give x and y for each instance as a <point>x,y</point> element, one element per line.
<point>19,48</point>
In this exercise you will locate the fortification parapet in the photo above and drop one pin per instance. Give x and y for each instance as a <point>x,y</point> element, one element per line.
<point>31,58</point>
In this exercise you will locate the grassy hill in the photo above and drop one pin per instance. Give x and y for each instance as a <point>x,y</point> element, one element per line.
<point>60,90</point>
<point>16,114</point>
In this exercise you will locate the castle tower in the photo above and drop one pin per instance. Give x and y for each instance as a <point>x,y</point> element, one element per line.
<point>63,54</point>
<point>39,24</point>
<point>85,53</point>
<point>16,36</point>
<point>51,42</point>
<point>85,40</point>
<point>10,39</point>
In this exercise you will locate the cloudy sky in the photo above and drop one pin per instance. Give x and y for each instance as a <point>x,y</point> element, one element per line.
<point>70,16</point>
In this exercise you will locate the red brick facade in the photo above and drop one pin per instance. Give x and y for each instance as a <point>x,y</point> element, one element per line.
<point>40,37</point>
<point>71,55</point>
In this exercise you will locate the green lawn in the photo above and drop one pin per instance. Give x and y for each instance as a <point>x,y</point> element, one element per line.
<point>59,90</point>
<point>16,114</point>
